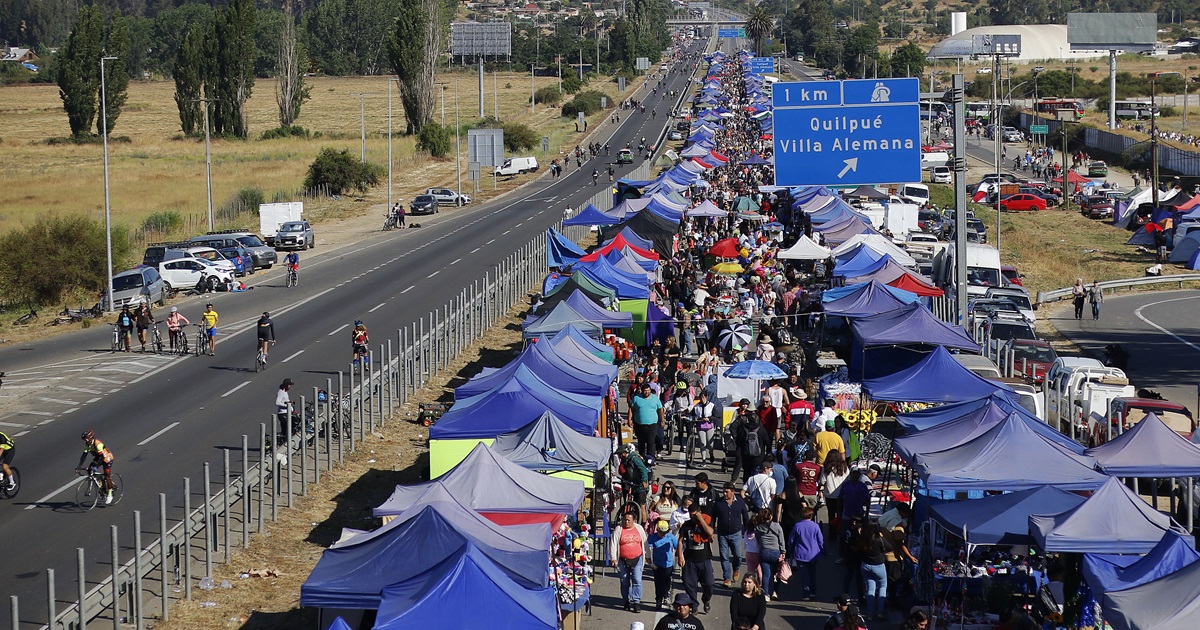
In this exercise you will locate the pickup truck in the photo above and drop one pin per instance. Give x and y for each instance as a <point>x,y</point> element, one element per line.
<point>1124,412</point>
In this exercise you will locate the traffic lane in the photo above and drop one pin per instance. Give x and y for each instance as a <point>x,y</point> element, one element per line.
<point>1159,331</point>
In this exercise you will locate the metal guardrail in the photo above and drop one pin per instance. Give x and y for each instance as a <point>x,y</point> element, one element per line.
<point>1045,297</point>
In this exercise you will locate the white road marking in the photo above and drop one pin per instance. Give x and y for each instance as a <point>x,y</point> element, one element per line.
<point>381,305</point>
<point>79,389</point>
<point>20,434</point>
<point>235,389</point>
<point>57,401</point>
<point>164,430</point>
<point>292,357</point>
<point>14,425</point>
<point>1162,330</point>
<point>433,274</point>
<point>105,380</point>
<point>456,261</point>
<point>490,242</point>
<point>407,290</point>
<point>338,330</point>
<point>35,413</point>
<point>474,250</point>
<point>53,494</point>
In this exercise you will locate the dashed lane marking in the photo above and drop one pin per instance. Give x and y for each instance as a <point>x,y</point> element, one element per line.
<point>298,353</point>
<point>338,330</point>
<point>379,306</point>
<point>162,431</point>
<point>235,389</point>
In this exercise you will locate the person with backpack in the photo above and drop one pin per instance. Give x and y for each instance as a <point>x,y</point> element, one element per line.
<point>635,474</point>
<point>125,322</point>
<point>760,489</point>
<point>753,443</point>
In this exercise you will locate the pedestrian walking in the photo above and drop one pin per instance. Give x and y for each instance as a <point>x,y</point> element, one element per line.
<point>1095,297</point>
<point>771,543</point>
<point>663,547</point>
<point>1078,295</point>
<point>695,557</point>
<point>627,552</point>
<point>806,544</point>
<point>748,605</point>
<point>731,521</point>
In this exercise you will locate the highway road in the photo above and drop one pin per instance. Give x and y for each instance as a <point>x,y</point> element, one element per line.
<point>164,417</point>
<point>1160,332</point>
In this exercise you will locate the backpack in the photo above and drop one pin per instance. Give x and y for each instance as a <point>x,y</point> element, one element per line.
<point>5,441</point>
<point>125,320</point>
<point>754,447</point>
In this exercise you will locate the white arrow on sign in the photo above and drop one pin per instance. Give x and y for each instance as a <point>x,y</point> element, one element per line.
<point>851,165</point>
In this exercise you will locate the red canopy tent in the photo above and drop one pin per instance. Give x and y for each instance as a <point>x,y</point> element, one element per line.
<point>913,284</point>
<point>616,245</point>
<point>1073,178</point>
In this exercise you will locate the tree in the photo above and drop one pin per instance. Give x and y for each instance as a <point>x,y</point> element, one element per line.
<point>908,61</point>
<point>413,50</point>
<point>189,79</point>
<point>79,69</point>
<point>759,25</point>
<point>116,83</point>
<point>862,48</point>
<point>235,52</point>
<point>57,255</point>
<point>291,91</point>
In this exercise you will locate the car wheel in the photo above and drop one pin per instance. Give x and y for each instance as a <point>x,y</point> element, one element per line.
<point>1003,208</point>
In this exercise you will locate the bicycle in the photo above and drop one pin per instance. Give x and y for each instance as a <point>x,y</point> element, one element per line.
<point>16,478</point>
<point>89,491</point>
<point>26,318</point>
<point>202,339</point>
<point>156,340</point>
<point>293,278</point>
<point>181,341</point>
<point>260,363</point>
<point>389,223</point>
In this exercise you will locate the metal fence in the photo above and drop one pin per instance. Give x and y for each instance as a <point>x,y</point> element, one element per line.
<point>1120,148</point>
<point>258,483</point>
<point>1111,286</point>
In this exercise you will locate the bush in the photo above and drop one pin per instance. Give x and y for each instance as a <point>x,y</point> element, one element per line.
<point>549,95</point>
<point>435,139</point>
<point>292,131</point>
<point>1167,111</point>
<point>518,137</point>
<point>57,256</point>
<point>163,222</point>
<point>571,83</point>
<point>339,172</point>
<point>587,102</point>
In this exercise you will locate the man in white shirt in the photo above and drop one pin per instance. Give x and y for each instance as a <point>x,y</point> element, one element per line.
<point>828,414</point>
<point>760,488</point>
<point>283,407</point>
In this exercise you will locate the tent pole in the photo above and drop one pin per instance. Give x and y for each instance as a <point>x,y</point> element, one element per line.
<point>1189,505</point>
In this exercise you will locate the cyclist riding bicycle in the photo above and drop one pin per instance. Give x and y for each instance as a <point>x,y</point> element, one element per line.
<point>175,323</point>
<point>359,341</point>
<point>266,333</point>
<point>292,260</point>
<point>8,450</point>
<point>283,406</point>
<point>595,176</point>
<point>125,322</point>
<point>210,317</point>
<point>101,457</point>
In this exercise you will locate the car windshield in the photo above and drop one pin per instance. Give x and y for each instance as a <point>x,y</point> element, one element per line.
<point>209,255</point>
<point>125,283</point>
<point>1005,330</point>
<point>250,241</point>
<point>1040,354</point>
<point>983,277</point>
<point>424,199</point>
<point>1020,301</point>
<point>291,227</point>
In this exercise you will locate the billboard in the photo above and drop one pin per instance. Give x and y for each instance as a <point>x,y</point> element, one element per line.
<point>485,146</point>
<point>1112,31</point>
<point>480,39</point>
<point>996,44</point>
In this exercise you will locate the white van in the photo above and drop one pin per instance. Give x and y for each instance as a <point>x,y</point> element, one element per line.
<point>918,193</point>
<point>934,158</point>
<point>517,166</point>
<point>983,269</point>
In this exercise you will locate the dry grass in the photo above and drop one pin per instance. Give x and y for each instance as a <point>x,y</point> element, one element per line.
<point>159,170</point>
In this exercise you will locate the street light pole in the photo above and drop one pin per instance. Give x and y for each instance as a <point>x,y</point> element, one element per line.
<point>362,112</point>
<point>457,147</point>
<point>107,207</point>
<point>389,91</point>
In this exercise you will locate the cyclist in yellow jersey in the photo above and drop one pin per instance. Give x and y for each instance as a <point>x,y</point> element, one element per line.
<point>7,452</point>
<point>101,456</point>
<point>209,316</point>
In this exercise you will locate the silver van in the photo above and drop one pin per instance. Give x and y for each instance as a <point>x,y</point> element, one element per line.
<point>135,285</point>
<point>264,255</point>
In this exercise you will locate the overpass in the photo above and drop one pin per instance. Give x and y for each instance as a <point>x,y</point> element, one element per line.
<point>728,23</point>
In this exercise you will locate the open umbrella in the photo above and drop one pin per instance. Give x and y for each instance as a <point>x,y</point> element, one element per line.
<point>735,337</point>
<point>725,248</point>
<point>756,370</point>
<point>727,268</point>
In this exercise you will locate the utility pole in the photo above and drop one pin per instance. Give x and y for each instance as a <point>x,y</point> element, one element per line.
<point>208,161</point>
<point>1153,144</point>
<point>998,132</point>
<point>107,207</point>
<point>960,196</point>
<point>496,92</point>
<point>389,90</point>
<point>362,113</point>
<point>457,148</point>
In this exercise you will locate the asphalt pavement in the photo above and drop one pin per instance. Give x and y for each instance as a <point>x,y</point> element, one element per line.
<point>165,417</point>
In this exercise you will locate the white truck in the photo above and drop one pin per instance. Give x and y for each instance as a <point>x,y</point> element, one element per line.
<point>895,215</point>
<point>983,269</point>
<point>273,215</point>
<point>1078,392</point>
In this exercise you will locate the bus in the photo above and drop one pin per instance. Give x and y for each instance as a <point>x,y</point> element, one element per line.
<point>1053,105</point>
<point>1136,109</point>
<point>979,111</point>
<point>934,109</point>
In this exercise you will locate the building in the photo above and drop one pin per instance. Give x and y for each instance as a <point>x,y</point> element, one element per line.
<point>19,55</point>
<point>1039,42</point>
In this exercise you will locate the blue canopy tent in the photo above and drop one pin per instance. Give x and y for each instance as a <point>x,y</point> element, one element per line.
<point>627,286</point>
<point>557,282</point>
<point>590,215</point>
<point>897,339</point>
<point>630,263</point>
<point>547,444</point>
<point>513,405</point>
<point>1001,519</point>
<point>460,592</point>
<point>585,307</point>
<point>1149,449</point>
<point>934,416</point>
<point>352,575</point>
<point>659,325</point>
<point>707,209</point>
<point>976,423</point>
<point>937,378</point>
<point>1106,573</point>
<point>560,250</point>
<point>1113,520</point>
<point>560,316</point>
<point>1009,456</point>
<point>632,238</point>
<point>571,337</point>
<point>488,483</point>
<point>547,366</point>
<point>865,299</point>
<point>627,208</point>
<point>844,232</point>
<point>862,263</point>
<point>1171,602</point>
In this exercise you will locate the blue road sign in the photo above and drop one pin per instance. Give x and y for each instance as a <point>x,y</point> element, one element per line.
<point>759,65</point>
<point>731,33</point>
<point>847,132</point>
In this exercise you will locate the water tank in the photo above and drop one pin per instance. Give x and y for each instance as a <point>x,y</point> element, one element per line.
<point>958,22</point>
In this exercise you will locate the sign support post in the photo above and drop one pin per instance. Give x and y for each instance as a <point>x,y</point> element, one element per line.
<point>957,90</point>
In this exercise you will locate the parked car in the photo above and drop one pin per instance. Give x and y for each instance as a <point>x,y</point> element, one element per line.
<point>976,230</point>
<point>1022,203</point>
<point>185,273</point>
<point>1012,134</point>
<point>1097,169</point>
<point>134,285</point>
<point>941,175</point>
<point>264,255</point>
<point>1012,275</point>
<point>423,204</point>
<point>625,156</point>
<point>1097,207</point>
<point>296,235</point>
<point>448,197</point>
<point>243,263</point>
<point>675,134</point>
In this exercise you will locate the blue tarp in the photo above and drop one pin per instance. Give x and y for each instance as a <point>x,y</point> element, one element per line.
<point>560,316</point>
<point>1107,572</point>
<point>591,216</point>
<point>863,262</point>
<point>513,405</point>
<point>1001,519</point>
<point>462,591</point>
<point>1149,449</point>
<point>977,422</point>
<point>486,482</point>
<point>353,575</point>
<point>632,238</point>
<point>865,299</point>
<point>1009,456</point>
<point>586,307</point>
<point>910,324</point>
<point>934,416</point>
<point>1171,602</point>
<point>627,260</point>
<point>561,251</point>
<point>573,345</point>
<point>548,367</point>
<point>659,325</point>
<point>1113,520</point>
<point>548,444</point>
<point>627,286</point>
<point>936,378</point>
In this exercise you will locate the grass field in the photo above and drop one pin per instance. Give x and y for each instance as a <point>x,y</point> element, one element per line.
<point>157,169</point>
